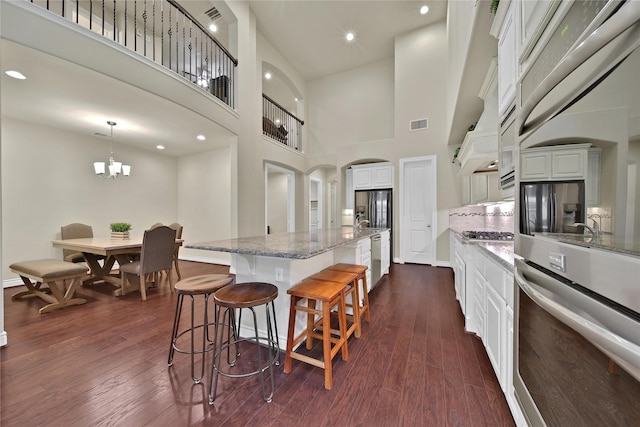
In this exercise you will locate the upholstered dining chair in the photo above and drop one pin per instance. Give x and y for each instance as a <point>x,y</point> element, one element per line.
<point>178,228</point>
<point>75,230</point>
<point>158,247</point>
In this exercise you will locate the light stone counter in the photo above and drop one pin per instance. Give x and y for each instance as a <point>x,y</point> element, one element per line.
<point>297,245</point>
<point>285,259</point>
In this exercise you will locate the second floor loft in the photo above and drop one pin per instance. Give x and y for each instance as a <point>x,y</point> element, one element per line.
<point>166,33</point>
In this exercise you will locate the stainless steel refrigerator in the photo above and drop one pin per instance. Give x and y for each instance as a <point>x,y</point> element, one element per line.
<point>375,207</point>
<point>552,207</point>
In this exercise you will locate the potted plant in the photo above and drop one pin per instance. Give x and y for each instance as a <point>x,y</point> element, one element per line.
<point>120,230</point>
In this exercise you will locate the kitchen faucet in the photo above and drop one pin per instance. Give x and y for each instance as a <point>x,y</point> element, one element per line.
<point>358,225</point>
<point>594,231</point>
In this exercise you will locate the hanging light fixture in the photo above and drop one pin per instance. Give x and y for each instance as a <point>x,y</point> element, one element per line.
<point>116,169</point>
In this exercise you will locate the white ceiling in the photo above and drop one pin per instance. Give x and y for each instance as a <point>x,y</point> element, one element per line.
<point>310,34</point>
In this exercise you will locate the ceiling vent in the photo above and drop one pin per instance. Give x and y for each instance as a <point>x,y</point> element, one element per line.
<point>418,124</point>
<point>212,14</point>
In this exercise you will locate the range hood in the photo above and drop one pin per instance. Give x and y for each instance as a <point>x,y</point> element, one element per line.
<point>479,151</point>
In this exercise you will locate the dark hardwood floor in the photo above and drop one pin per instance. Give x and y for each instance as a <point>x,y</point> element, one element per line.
<point>105,363</point>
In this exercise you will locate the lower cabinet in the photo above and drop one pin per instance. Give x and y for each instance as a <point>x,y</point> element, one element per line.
<point>356,253</point>
<point>495,333</point>
<point>485,289</point>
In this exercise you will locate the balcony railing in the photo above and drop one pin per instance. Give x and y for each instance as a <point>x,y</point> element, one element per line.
<point>162,31</point>
<point>279,124</point>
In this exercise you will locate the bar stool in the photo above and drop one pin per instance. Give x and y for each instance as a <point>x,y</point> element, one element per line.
<point>241,296</point>
<point>352,296</point>
<point>361,271</point>
<point>197,285</point>
<point>330,294</point>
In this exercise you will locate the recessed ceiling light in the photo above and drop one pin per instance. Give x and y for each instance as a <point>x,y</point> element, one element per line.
<point>350,36</point>
<point>15,74</point>
<point>160,147</point>
<point>267,76</point>
<point>424,10</point>
<point>201,137</point>
<point>295,99</point>
<point>213,27</point>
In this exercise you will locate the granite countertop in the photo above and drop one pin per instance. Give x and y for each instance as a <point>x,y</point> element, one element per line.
<point>296,245</point>
<point>624,245</point>
<point>500,250</point>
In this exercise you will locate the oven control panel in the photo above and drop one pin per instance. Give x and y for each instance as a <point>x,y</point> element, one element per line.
<point>558,261</point>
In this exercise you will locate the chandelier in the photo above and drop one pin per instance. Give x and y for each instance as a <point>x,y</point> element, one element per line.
<point>116,169</point>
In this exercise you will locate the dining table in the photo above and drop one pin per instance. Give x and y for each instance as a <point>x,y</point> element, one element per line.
<point>112,249</point>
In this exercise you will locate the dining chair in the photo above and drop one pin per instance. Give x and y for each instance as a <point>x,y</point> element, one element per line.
<point>75,230</point>
<point>178,228</point>
<point>158,247</point>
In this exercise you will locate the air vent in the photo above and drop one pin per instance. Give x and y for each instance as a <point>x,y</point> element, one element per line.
<point>418,124</point>
<point>212,14</point>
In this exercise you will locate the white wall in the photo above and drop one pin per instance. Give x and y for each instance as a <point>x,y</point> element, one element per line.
<point>351,107</point>
<point>420,69</point>
<point>204,202</point>
<point>48,181</point>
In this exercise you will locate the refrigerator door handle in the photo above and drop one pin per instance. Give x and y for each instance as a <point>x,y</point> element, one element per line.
<point>552,209</point>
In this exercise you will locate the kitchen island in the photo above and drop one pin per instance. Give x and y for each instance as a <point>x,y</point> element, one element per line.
<point>285,259</point>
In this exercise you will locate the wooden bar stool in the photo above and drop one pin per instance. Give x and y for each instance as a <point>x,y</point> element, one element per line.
<point>352,296</point>
<point>361,271</point>
<point>204,285</point>
<point>330,295</point>
<point>238,297</point>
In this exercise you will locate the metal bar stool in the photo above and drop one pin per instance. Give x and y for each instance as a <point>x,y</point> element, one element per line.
<point>352,296</point>
<point>361,271</point>
<point>198,285</point>
<point>330,295</point>
<point>242,296</point>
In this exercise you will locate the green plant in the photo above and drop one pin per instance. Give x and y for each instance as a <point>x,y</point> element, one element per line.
<point>120,226</point>
<point>494,6</point>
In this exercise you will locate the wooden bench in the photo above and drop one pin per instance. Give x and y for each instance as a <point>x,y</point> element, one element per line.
<point>54,273</point>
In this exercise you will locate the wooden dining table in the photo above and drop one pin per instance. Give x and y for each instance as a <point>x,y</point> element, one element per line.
<point>112,249</point>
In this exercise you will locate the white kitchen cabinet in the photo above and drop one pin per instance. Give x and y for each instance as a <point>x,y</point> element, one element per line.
<point>495,332</point>
<point>457,255</point>
<point>356,253</point>
<point>483,187</point>
<point>385,251</point>
<point>554,163</point>
<point>349,196</point>
<point>372,176</point>
<point>592,183</point>
<point>507,62</point>
<point>466,190</point>
<point>532,18</point>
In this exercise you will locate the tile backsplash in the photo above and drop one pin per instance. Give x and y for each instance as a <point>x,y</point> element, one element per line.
<point>498,217</point>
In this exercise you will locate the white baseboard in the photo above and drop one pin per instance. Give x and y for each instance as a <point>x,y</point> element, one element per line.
<point>3,339</point>
<point>12,283</point>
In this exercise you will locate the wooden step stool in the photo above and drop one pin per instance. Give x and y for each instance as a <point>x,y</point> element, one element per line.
<point>352,296</point>
<point>54,273</point>
<point>330,295</point>
<point>361,271</point>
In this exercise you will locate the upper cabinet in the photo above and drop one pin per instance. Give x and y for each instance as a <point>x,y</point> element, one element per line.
<point>554,163</point>
<point>348,193</point>
<point>532,17</point>
<point>505,29</point>
<point>372,176</point>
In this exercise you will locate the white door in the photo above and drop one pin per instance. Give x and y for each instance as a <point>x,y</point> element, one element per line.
<point>417,209</point>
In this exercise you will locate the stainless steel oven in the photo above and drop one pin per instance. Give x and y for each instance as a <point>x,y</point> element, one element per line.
<point>577,311</point>
<point>578,353</point>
